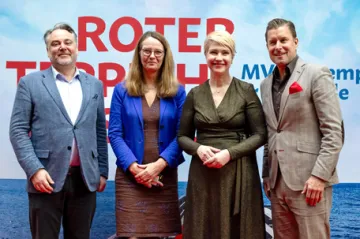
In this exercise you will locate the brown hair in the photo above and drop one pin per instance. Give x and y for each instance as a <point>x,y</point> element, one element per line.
<point>167,83</point>
<point>279,22</point>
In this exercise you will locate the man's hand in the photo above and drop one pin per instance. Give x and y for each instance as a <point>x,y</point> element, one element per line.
<point>206,152</point>
<point>102,184</point>
<point>313,190</point>
<point>42,180</point>
<point>218,160</point>
<point>150,172</point>
<point>266,185</point>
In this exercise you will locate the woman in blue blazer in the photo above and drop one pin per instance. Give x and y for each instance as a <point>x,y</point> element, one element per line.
<point>144,119</point>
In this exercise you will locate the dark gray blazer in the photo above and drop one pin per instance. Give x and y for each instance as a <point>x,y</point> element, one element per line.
<point>42,133</point>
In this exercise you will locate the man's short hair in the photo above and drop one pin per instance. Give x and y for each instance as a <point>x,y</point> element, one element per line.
<point>279,22</point>
<point>62,26</point>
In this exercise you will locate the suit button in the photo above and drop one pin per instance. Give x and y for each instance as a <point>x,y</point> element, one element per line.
<point>278,130</point>
<point>275,151</point>
<point>75,127</point>
<point>161,126</point>
<point>69,147</point>
<point>161,142</point>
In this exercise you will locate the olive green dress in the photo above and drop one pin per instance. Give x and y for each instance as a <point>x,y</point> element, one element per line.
<point>224,203</point>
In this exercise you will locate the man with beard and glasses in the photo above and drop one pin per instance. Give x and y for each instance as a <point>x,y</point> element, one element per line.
<point>58,132</point>
<point>305,136</point>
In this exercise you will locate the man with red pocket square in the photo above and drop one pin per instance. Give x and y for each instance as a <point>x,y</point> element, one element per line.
<point>305,136</point>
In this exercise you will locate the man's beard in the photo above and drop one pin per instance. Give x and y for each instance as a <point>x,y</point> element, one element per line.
<point>65,62</point>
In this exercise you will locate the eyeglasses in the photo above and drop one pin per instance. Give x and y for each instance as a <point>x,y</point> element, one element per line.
<point>157,53</point>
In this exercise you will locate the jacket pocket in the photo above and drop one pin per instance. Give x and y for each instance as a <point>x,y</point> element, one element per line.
<point>95,153</point>
<point>295,95</point>
<point>42,153</point>
<point>307,147</point>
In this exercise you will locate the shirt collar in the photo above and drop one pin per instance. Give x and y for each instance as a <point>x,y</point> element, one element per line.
<point>58,76</point>
<point>290,67</point>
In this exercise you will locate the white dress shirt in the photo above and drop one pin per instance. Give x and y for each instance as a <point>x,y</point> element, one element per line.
<point>71,95</point>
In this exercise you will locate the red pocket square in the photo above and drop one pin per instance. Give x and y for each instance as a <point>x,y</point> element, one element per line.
<point>294,88</point>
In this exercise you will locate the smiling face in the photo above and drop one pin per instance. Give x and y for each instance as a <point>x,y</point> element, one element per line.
<point>218,58</point>
<point>281,45</point>
<point>151,54</point>
<point>62,48</point>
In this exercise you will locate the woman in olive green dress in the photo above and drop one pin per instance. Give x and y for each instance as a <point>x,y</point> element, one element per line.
<point>224,197</point>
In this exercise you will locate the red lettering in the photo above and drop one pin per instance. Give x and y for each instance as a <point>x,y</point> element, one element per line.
<point>203,72</point>
<point>94,35</point>
<point>212,22</point>
<point>159,23</point>
<point>86,67</point>
<point>184,34</point>
<point>21,67</point>
<point>103,74</point>
<point>113,34</point>
<point>44,65</point>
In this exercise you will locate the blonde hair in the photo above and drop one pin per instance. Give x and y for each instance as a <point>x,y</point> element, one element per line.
<point>223,38</point>
<point>167,83</point>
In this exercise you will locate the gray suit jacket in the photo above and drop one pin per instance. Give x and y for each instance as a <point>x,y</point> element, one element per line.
<point>42,133</point>
<point>307,138</point>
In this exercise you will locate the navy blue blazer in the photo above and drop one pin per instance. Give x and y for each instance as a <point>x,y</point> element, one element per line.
<point>126,127</point>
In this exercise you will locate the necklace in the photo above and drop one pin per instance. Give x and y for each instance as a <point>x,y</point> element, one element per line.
<point>217,90</point>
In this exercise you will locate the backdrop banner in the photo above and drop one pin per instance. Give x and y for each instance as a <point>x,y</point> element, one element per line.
<point>109,30</point>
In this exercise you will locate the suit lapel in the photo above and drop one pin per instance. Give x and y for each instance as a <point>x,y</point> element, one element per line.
<point>136,100</point>
<point>50,84</point>
<point>269,100</point>
<point>86,92</point>
<point>295,76</point>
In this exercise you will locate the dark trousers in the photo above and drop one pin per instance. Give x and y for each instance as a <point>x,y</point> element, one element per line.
<point>74,205</point>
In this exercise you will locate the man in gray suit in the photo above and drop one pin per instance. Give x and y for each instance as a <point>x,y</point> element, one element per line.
<point>304,138</point>
<point>58,132</point>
